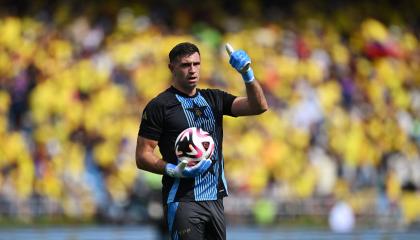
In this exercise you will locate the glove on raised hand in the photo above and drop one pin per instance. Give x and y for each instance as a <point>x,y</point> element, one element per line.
<point>241,61</point>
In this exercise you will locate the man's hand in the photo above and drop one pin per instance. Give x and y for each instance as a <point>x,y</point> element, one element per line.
<point>182,171</point>
<point>241,62</point>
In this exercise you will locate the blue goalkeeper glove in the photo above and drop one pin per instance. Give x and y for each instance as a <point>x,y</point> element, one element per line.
<point>241,61</point>
<point>182,171</point>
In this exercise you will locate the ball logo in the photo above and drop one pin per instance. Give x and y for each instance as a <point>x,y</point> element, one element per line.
<point>206,145</point>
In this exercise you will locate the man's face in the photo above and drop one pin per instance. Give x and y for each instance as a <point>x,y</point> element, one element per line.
<point>186,72</point>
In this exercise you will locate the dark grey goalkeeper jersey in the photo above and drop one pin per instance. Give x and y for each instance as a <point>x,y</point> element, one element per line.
<point>169,114</point>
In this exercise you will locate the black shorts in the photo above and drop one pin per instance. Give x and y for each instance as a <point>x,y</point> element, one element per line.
<point>196,220</point>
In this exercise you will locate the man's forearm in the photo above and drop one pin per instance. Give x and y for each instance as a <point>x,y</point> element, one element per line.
<point>151,163</point>
<point>256,97</point>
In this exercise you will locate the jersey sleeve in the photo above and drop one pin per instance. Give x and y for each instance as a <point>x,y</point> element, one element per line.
<point>227,100</point>
<point>152,121</point>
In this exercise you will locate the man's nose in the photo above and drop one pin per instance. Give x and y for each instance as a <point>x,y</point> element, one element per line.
<point>192,68</point>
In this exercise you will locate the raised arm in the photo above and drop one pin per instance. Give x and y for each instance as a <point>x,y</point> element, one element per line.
<point>255,102</point>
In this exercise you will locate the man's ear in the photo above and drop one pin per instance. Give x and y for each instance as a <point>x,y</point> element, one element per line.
<point>171,67</point>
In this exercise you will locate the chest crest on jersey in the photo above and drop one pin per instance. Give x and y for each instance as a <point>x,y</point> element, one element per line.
<point>198,111</point>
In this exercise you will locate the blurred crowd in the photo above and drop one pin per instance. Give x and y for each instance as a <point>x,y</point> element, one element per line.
<point>344,119</point>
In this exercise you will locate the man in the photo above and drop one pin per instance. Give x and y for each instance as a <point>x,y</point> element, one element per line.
<point>193,195</point>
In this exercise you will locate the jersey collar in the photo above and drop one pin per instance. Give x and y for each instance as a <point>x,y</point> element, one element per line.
<point>176,91</point>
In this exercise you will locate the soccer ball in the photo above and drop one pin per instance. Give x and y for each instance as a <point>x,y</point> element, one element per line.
<point>194,144</point>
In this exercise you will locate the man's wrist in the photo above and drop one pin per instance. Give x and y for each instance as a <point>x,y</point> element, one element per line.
<point>169,169</point>
<point>248,76</point>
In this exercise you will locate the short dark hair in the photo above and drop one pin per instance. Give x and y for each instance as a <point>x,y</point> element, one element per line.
<point>181,50</point>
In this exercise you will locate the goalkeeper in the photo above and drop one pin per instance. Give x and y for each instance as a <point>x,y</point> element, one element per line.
<point>193,196</point>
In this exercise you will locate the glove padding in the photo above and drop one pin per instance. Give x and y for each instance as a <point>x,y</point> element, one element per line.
<point>241,61</point>
<point>182,171</point>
